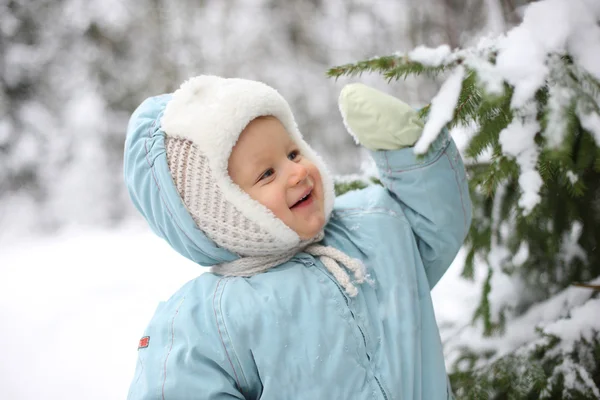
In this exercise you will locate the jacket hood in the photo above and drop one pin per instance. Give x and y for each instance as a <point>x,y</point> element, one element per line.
<point>153,191</point>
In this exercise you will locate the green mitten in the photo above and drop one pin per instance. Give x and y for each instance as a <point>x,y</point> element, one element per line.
<point>377,120</point>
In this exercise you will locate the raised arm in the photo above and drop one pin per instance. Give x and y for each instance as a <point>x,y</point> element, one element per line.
<point>432,189</point>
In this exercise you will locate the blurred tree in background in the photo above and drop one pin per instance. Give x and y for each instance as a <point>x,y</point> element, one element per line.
<point>72,71</point>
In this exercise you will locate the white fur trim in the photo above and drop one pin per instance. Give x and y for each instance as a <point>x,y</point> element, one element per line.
<point>212,112</point>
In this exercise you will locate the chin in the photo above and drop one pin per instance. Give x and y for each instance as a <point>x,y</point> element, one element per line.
<point>307,237</point>
<point>313,230</point>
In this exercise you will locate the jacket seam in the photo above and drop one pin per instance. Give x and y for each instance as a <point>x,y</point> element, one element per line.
<point>150,129</point>
<point>347,319</point>
<point>218,313</point>
<point>391,214</point>
<point>348,212</point>
<point>141,370</point>
<point>375,210</point>
<point>368,367</point>
<point>139,375</point>
<point>160,194</point>
<point>229,336</point>
<point>459,191</point>
<point>434,159</point>
<point>171,347</point>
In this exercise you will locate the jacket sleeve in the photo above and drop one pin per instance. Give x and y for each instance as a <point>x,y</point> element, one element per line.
<point>184,356</point>
<point>433,192</point>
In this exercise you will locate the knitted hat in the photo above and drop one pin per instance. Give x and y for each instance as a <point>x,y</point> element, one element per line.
<point>202,122</point>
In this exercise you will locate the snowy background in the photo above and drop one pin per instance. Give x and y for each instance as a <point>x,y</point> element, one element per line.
<point>72,71</point>
<point>73,308</point>
<point>80,273</point>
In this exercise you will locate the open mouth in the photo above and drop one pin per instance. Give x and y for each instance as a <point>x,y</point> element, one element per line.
<point>304,200</point>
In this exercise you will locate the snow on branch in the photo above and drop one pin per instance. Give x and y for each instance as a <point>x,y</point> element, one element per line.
<point>442,110</point>
<point>546,71</point>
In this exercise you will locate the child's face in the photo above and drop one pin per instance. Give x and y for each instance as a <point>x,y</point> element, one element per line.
<point>267,165</point>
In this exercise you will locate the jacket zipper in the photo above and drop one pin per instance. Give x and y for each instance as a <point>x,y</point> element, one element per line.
<point>380,387</point>
<point>357,325</point>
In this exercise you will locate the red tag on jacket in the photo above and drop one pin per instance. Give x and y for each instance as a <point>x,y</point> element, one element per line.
<point>144,342</point>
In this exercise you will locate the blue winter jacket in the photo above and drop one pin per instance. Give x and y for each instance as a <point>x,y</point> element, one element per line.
<point>292,332</point>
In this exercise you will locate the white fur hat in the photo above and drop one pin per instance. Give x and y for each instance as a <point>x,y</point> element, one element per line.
<point>203,122</point>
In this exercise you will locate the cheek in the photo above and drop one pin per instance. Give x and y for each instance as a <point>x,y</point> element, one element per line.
<point>317,177</point>
<point>273,199</point>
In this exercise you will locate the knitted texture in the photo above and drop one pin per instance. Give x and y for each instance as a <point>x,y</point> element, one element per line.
<point>222,222</point>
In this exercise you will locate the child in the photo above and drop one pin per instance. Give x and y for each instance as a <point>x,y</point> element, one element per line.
<point>310,297</point>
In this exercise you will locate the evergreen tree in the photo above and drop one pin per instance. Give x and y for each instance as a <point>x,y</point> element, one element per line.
<point>531,99</point>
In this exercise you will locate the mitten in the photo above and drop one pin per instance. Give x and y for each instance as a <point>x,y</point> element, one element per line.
<point>377,120</point>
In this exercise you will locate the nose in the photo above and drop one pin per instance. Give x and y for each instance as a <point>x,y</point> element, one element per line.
<point>298,174</point>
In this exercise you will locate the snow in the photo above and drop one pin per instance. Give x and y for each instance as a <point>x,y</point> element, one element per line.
<point>549,26</point>
<point>590,122</point>
<point>85,111</point>
<point>124,51</point>
<point>584,41</point>
<point>530,183</point>
<point>20,62</point>
<point>9,23</point>
<point>505,290</point>
<point>5,129</point>
<point>559,98</point>
<point>520,332</point>
<point>521,62</point>
<point>462,135</point>
<point>521,255</point>
<point>495,17</point>
<point>570,370</point>
<point>570,248</point>
<point>74,307</point>
<point>582,322</point>
<point>491,81</point>
<point>442,110</point>
<point>517,140</point>
<point>431,57</point>
<point>545,21</point>
<point>455,298</point>
<point>527,58</point>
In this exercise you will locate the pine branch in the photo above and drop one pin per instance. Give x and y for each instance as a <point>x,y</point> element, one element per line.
<point>566,156</point>
<point>391,67</point>
<point>586,285</point>
<point>380,64</point>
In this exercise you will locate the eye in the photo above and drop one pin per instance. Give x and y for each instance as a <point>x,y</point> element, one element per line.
<point>293,155</point>
<point>268,173</point>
